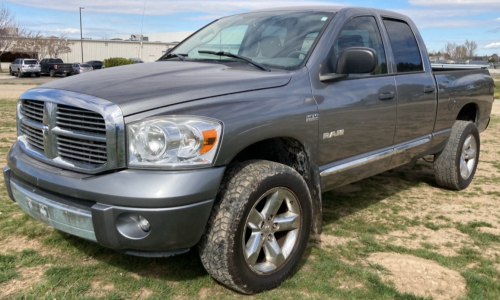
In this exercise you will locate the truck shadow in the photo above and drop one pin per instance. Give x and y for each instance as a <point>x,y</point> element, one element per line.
<point>337,204</point>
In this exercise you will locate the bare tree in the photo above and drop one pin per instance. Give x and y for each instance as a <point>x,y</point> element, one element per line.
<point>58,45</point>
<point>471,48</point>
<point>450,49</point>
<point>10,29</point>
<point>31,43</point>
<point>460,52</point>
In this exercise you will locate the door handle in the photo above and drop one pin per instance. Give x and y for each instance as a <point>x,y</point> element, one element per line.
<point>429,90</point>
<point>387,96</point>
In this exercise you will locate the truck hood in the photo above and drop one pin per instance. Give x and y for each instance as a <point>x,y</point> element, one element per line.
<point>141,87</point>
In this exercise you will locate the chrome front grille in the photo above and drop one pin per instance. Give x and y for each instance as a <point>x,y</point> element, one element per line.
<point>70,130</point>
<point>90,152</point>
<point>33,135</point>
<point>72,118</point>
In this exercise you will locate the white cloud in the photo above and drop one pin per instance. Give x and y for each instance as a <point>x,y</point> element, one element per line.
<point>162,7</point>
<point>493,46</point>
<point>69,30</point>
<point>498,19</point>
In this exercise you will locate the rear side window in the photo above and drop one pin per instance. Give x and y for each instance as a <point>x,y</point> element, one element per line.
<point>404,46</point>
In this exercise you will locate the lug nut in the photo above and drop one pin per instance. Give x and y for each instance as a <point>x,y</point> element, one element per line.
<point>275,226</point>
<point>270,237</point>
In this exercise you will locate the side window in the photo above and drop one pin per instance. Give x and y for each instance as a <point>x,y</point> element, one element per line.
<point>362,32</point>
<point>404,46</point>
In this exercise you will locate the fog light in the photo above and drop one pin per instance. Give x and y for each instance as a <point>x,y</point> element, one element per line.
<point>144,224</point>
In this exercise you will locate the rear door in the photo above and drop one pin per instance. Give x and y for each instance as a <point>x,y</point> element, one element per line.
<point>357,116</point>
<point>417,104</point>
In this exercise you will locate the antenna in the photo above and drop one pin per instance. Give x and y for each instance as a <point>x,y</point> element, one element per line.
<point>142,24</point>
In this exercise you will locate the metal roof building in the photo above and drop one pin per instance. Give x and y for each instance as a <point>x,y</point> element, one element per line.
<point>102,49</point>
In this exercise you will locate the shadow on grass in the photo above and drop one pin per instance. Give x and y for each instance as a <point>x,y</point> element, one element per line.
<point>188,266</point>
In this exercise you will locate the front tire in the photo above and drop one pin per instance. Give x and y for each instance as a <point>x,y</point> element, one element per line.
<point>19,74</point>
<point>454,168</point>
<point>10,72</point>
<point>37,74</point>
<point>259,227</point>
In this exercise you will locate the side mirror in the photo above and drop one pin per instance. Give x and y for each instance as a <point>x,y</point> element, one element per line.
<point>356,60</point>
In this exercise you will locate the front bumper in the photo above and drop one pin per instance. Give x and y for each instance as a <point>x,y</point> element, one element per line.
<point>105,208</point>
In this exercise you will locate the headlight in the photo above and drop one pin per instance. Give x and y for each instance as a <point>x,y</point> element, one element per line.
<point>173,142</point>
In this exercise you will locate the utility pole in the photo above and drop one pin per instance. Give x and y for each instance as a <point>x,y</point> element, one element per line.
<point>81,34</point>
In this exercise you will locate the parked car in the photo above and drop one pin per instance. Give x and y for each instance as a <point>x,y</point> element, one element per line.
<point>136,60</point>
<point>96,64</point>
<point>79,68</point>
<point>55,66</point>
<point>24,66</point>
<point>231,151</point>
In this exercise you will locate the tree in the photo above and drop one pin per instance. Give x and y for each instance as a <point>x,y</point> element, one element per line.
<point>58,45</point>
<point>471,48</point>
<point>450,49</point>
<point>10,29</point>
<point>31,43</point>
<point>460,52</point>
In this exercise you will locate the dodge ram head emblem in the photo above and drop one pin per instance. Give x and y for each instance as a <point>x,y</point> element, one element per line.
<point>45,130</point>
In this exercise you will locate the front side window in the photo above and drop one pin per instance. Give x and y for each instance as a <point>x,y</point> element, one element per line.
<point>404,46</point>
<point>362,32</point>
<point>279,40</point>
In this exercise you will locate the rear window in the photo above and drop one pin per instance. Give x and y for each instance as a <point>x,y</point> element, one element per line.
<point>85,65</point>
<point>30,61</point>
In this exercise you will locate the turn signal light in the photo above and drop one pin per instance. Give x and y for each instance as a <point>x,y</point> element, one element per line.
<point>209,139</point>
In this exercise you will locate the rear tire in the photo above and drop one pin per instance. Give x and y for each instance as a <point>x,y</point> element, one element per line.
<point>259,227</point>
<point>454,168</point>
<point>37,74</point>
<point>52,73</point>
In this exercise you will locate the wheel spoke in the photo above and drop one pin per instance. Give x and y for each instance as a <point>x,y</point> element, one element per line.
<point>464,170</point>
<point>273,204</point>
<point>254,220</point>
<point>470,154</point>
<point>467,141</point>
<point>287,221</point>
<point>273,252</point>
<point>253,248</point>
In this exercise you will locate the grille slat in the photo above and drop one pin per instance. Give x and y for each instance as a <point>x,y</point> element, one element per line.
<point>33,110</point>
<point>91,150</point>
<point>34,137</point>
<point>83,150</point>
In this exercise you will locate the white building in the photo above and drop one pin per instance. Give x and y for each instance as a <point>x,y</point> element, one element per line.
<point>170,37</point>
<point>102,49</point>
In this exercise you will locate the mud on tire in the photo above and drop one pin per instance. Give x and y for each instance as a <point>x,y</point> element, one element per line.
<point>243,211</point>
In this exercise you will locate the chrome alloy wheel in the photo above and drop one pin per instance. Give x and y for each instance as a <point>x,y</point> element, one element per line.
<point>272,230</point>
<point>468,157</point>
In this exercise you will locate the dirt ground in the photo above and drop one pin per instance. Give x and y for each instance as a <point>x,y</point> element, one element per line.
<point>410,195</point>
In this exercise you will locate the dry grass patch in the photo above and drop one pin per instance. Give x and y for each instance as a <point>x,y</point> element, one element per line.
<point>445,241</point>
<point>420,277</point>
<point>29,277</point>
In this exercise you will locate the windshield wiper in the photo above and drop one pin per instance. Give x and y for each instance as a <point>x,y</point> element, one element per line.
<point>180,56</point>
<point>222,53</point>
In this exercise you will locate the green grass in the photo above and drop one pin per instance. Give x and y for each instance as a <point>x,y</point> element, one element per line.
<point>407,197</point>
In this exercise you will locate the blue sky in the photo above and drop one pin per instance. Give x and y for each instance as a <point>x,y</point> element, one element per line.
<point>439,21</point>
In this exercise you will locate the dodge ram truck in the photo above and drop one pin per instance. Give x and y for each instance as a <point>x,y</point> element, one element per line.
<point>228,141</point>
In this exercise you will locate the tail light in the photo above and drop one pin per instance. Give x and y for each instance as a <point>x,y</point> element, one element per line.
<point>80,68</point>
<point>55,67</point>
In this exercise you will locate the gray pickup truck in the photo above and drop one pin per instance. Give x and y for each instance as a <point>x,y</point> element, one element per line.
<point>228,141</point>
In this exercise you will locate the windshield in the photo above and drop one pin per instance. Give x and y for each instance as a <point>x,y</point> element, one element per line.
<point>275,39</point>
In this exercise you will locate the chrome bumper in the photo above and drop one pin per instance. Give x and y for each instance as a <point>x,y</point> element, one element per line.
<point>66,218</point>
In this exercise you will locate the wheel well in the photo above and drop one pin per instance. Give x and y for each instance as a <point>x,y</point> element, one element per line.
<point>287,151</point>
<point>469,113</point>
<point>290,152</point>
